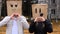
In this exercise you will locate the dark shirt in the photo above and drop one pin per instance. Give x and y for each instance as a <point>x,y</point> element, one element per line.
<point>37,28</point>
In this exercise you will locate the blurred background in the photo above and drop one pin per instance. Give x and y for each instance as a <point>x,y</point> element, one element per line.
<point>52,11</point>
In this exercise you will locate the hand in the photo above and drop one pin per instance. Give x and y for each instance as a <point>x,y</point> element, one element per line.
<point>15,15</point>
<point>35,20</point>
<point>12,16</point>
<point>39,19</point>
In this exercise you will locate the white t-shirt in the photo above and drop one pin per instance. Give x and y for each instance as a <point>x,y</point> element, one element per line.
<point>14,27</point>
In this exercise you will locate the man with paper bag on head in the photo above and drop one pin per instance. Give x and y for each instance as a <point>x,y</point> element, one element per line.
<point>40,25</point>
<point>15,23</point>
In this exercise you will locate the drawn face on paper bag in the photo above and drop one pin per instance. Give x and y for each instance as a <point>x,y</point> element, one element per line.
<point>14,6</point>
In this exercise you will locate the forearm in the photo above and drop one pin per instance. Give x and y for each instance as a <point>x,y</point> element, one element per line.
<point>26,25</point>
<point>4,21</point>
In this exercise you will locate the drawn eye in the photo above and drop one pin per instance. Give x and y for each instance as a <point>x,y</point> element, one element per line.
<point>39,10</point>
<point>15,5</point>
<point>36,10</point>
<point>11,5</point>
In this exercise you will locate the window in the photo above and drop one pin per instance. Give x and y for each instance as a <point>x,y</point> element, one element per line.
<point>52,11</point>
<point>53,1</point>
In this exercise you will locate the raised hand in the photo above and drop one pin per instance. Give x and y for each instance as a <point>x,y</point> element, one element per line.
<point>39,19</point>
<point>15,15</point>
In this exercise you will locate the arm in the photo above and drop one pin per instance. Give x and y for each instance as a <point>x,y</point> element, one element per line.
<point>25,23</point>
<point>32,26</point>
<point>4,21</point>
<point>49,27</point>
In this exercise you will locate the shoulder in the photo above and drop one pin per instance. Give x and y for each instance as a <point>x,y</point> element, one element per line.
<point>7,17</point>
<point>22,16</point>
<point>47,20</point>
